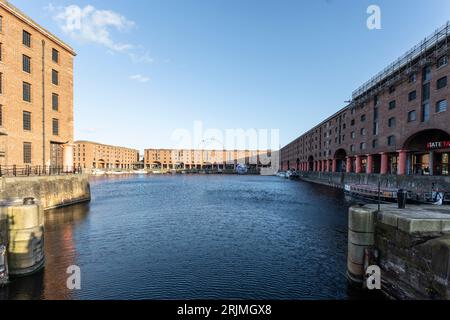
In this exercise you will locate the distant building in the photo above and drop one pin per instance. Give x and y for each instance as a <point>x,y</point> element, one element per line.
<point>36,93</point>
<point>204,159</point>
<point>91,155</point>
<point>397,123</point>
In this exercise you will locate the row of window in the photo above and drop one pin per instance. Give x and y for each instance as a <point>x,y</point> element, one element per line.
<point>26,67</point>
<point>441,106</point>
<point>26,40</point>
<point>27,96</point>
<point>27,123</point>
<point>412,116</point>
<point>391,141</point>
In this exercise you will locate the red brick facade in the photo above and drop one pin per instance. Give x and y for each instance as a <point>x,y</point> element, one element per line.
<point>385,128</point>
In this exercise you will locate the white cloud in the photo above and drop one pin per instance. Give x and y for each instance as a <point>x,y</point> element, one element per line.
<point>140,57</point>
<point>140,78</point>
<point>89,24</point>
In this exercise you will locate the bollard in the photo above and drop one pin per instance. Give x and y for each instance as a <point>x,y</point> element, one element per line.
<point>361,236</point>
<point>402,196</point>
<point>25,237</point>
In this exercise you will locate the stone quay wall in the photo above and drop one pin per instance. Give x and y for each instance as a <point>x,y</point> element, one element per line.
<point>417,184</point>
<point>51,191</point>
<point>411,246</point>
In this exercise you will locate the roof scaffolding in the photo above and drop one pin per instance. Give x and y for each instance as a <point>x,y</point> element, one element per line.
<point>407,64</point>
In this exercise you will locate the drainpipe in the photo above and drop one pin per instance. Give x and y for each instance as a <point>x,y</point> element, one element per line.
<point>43,103</point>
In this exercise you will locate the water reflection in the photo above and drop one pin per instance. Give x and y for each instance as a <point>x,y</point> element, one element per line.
<point>196,237</point>
<point>60,251</point>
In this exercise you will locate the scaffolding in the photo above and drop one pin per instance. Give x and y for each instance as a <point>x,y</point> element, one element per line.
<point>426,52</point>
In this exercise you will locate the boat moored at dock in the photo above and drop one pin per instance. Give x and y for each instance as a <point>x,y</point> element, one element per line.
<point>371,192</point>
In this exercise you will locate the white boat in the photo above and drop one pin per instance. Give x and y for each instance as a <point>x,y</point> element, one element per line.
<point>288,174</point>
<point>98,172</point>
<point>281,174</point>
<point>115,172</point>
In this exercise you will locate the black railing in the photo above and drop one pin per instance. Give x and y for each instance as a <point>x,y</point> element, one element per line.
<point>36,171</point>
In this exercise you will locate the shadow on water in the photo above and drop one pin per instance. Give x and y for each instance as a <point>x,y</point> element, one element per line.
<point>60,252</point>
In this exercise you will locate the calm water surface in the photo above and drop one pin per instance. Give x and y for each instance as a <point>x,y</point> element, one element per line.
<point>196,237</point>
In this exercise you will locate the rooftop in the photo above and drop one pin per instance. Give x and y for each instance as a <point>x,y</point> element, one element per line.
<point>22,16</point>
<point>426,44</point>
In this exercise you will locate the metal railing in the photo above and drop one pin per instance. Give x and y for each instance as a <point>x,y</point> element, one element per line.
<point>438,36</point>
<point>29,171</point>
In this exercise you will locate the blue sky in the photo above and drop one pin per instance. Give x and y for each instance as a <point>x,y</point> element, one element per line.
<point>146,68</point>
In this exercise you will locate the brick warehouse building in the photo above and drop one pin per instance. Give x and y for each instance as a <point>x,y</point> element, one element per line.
<point>205,159</point>
<point>93,155</point>
<point>36,93</point>
<point>397,123</point>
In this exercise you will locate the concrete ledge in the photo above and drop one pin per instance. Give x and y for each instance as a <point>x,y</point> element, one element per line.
<point>51,191</point>
<point>415,219</point>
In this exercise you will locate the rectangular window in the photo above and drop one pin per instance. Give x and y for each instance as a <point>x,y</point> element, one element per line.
<point>353,135</point>
<point>391,89</point>
<point>55,55</point>
<point>363,118</point>
<point>27,152</point>
<point>426,74</point>
<point>375,100</point>
<point>26,92</point>
<point>374,143</point>
<point>1,24</point>
<point>425,112</point>
<point>441,83</point>
<point>426,93</point>
<point>441,106</point>
<point>1,82</point>
<point>362,146</point>
<point>392,123</point>
<point>55,102</point>
<point>55,127</point>
<point>375,128</point>
<point>55,77</point>
<point>1,51</point>
<point>27,121</point>
<point>26,38</point>
<point>442,61</point>
<point>392,105</point>
<point>26,64</point>
<point>1,115</point>
<point>363,132</point>
<point>412,116</point>
<point>391,141</point>
<point>412,96</point>
<point>412,78</point>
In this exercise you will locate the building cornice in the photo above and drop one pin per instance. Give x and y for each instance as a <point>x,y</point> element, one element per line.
<point>104,145</point>
<point>24,18</point>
